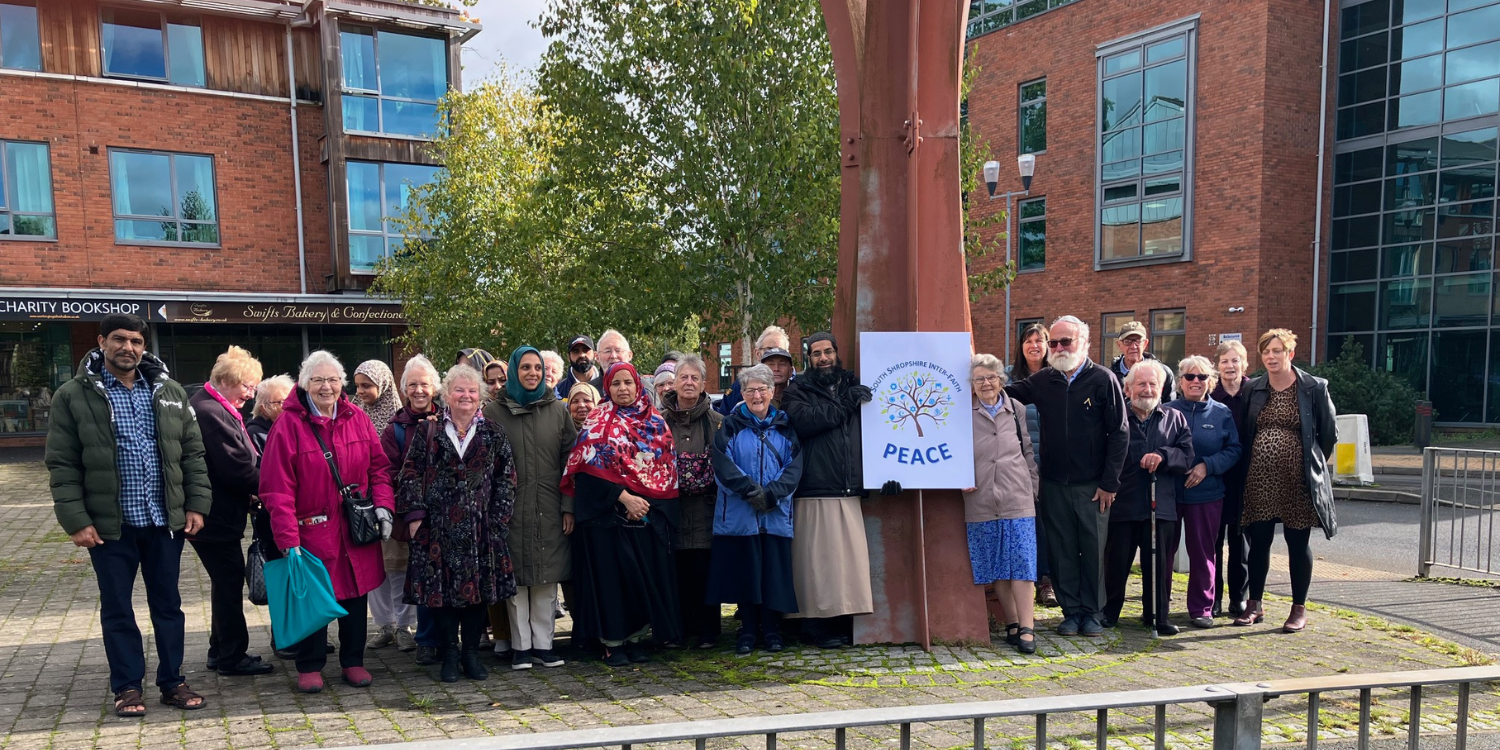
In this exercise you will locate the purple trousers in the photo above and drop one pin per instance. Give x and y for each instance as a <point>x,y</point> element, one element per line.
<point>1200,523</point>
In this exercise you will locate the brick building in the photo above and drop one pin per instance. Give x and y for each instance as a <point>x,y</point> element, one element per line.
<point>1177,173</point>
<point>221,169</point>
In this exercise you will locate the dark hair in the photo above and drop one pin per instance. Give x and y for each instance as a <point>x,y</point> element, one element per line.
<point>112,323</point>
<point>1022,369</point>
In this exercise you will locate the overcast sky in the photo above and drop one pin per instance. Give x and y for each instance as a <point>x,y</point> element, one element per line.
<point>507,35</point>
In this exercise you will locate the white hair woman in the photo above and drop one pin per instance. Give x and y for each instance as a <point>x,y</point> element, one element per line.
<point>554,366</point>
<point>693,422</point>
<point>298,488</point>
<point>1200,501</point>
<point>1233,362</point>
<point>270,393</point>
<point>456,493</point>
<point>1000,509</point>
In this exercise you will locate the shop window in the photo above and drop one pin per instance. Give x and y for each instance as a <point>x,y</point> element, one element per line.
<point>1033,235</point>
<point>147,44</point>
<point>26,191</point>
<point>163,198</point>
<point>380,194</point>
<point>1169,336</point>
<point>726,366</point>
<point>35,358</point>
<point>1033,127</point>
<point>392,81</point>
<point>1145,110</point>
<point>1109,328</point>
<point>20,42</point>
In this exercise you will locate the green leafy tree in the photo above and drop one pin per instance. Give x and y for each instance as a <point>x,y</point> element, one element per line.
<point>1387,400</point>
<point>986,276</point>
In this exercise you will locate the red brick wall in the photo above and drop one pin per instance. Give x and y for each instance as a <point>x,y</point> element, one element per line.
<point>1254,167</point>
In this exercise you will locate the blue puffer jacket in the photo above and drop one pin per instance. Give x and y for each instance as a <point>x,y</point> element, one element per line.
<point>748,452</point>
<point>1216,444</point>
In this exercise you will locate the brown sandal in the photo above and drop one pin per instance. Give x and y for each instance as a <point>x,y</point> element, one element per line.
<point>129,699</point>
<point>181,696</point>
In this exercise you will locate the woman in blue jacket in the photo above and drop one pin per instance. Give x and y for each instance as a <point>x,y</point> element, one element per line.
<point>1200,499</point>
<point>757,464</point>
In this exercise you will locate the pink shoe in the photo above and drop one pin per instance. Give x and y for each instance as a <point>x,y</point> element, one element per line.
<point>358,677</point>
<point>310,682</point>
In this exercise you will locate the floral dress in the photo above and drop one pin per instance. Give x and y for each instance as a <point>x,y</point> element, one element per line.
<point>1276,485</point>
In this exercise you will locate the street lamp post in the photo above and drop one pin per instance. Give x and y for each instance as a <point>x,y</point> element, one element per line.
<point>1026,166</point>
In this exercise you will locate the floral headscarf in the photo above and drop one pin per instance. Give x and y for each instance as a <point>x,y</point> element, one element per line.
<point>628,445</point>
<point>389,403</point>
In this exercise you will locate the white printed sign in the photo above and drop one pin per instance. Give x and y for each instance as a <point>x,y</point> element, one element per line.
<point>918,429</point>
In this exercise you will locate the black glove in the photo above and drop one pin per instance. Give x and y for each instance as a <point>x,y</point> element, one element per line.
<point>858,394</point>
<point>759,499</point>
<point>892,487</point>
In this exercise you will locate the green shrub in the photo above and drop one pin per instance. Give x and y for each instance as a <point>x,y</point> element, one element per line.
<point>1386,400</point>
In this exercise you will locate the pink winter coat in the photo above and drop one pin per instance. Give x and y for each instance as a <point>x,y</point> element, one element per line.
<point>295,484</point>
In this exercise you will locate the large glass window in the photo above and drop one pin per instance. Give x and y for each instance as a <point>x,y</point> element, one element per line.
<point>1169,336</point>
<point>26,191</point>
<point>379,193</point>
<point>1032,231</point>
<point>162,197</point>
<point>20,42</point>
<point>147,44</point>
<point>392,81</point>
<point>1145,106</point>
<point>1109,327</point>
<point>989,15</point>
<point>1033,128</point>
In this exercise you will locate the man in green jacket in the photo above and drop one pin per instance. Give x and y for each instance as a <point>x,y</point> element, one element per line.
<point>129,482</point>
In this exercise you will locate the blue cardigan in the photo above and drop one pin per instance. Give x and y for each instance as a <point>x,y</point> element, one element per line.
<point>1216,444</point>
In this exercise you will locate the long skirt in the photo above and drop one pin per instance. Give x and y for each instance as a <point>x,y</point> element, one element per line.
<point>624,578</point>
<point>830,558</point>
<point>750,570</point>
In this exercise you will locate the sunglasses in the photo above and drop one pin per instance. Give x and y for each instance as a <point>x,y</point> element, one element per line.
<point>1194,376</point>
<point>1060,343</point>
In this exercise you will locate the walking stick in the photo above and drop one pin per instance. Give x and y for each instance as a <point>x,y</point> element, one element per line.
<point>1149,580</point>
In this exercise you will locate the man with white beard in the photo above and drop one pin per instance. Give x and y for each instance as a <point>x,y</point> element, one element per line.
<point>1084,440</point>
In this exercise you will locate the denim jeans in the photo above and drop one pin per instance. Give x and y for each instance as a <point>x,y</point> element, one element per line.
<point>157,553</point>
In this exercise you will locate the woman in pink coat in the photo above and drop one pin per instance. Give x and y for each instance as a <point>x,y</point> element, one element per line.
<point>299,492</point>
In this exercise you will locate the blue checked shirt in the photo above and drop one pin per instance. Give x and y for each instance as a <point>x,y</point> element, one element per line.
<point>136,451</point>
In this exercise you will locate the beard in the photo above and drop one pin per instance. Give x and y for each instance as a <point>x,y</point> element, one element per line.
<point>826,376</point>
<point>1146,405</point>
<point>1065,361</point>
<point>582,366</point>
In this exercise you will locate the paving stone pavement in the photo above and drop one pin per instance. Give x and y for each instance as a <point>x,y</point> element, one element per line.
<point>54,691</point>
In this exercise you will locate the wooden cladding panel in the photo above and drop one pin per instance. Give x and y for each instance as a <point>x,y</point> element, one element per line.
<point>245,56</point>
<point>70,37</point>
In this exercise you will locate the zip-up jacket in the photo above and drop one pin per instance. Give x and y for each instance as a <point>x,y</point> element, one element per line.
<point>81,450</point>
<point>1084,434</point>
<point>827,424</point>
<point>1168,392</point>
<point>1216,445</point>
<point>750,452</point>
<point>1163,432</point>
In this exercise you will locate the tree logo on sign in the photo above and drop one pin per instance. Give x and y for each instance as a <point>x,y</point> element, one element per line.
<point>913,397</point>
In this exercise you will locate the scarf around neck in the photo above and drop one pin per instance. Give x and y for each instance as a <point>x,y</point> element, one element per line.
<point>627,445</point>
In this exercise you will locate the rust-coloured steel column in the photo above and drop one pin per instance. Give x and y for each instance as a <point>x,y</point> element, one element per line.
<point>901,268</point>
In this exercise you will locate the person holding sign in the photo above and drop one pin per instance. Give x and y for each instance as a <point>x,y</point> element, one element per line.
<point>830,555</point>
<point>1084,440</point>
<point>1000,510</point>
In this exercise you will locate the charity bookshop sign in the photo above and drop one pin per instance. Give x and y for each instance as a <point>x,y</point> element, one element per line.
<point>918,429</point>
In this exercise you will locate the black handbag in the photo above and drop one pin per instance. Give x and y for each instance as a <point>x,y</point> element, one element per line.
<point>359,510</point>
<point>255,573</point>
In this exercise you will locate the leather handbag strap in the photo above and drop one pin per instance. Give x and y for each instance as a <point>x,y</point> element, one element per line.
<point>333,465</point>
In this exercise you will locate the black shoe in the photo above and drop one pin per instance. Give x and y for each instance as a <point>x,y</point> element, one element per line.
<point>247,667</point>
<point>520,659</point>
<point>707,643</point>
<point>213,663</point>
<point>286,653</point>
<point>1167,628</point>
<point>1202,622</point>
<point>546,657</point>
<point>472,669</point>
<point>636,652</point>
<point>829,641</point>
<point>450,670</point>
<point>1108,622</point>
<point>427,656</point>
<point>1024,646</point>
<point>615,656</point>
<point>1013,634</point>
<point>1090,627</point>
<point>744,645</point>
<point>774,644</point>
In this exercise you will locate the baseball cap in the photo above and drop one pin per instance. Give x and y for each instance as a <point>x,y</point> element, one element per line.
<point>776,352</point>
<point>585,340</point>
<point>1132,328</point>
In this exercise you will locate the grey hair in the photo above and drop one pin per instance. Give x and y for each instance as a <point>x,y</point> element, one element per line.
<point>757,374</point>
<point>694,361</point>
<point>616,334</point>
<point>989,362</point>
<point>459,373</point>
<point>419,364</point>
<point>1083,328</point>
<point>778,331</point>
<point>1161,371</point>
<point>266,387</point>
<point>554,358</point>
<point>1199,363</point>
<point>318,359</point>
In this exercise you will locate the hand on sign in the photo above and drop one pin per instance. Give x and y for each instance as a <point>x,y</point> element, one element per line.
<point>890,488</point>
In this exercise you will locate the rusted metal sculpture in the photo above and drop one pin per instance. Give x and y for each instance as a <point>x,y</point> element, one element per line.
<point>901,268</point>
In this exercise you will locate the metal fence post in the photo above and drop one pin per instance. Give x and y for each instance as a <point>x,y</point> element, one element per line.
<point>1237,722</point>
<point>1429,501</point>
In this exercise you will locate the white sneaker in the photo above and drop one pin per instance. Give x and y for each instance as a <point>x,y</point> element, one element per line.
<point>406,640</point>
<point>383,637</point>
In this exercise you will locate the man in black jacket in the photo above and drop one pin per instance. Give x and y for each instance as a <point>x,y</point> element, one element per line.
<point>1136,348</point>
<point>1084,441</point>
<point>830,555</point>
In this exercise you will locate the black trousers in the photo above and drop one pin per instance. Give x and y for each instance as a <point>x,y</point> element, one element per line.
<point>1299,559</point>
<point>312,652</point>
<point>759,619</point>
<point>157,554</point>
<point>700,622</point>
<point>1126,538</point>
<point>1232,538</point>
<point>455,623</point>
<point>228,637</point>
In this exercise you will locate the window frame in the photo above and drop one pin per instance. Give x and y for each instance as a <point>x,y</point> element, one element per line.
<point>1021,107</point>
<point>8,191</point>
<point>176,201</point>
<point>1158,333</point>
<point>1108,334</point>
<point>385,232</point>
<point>163,21</point>
<point>1021,221</point>
<point>377,94</point>
<point>1188,29</point>
<point>36,26</point>
<point>726,366</point>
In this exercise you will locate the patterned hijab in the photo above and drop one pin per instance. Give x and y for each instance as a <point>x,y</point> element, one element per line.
<point>389,403</point>
<point>628,445</point>
<point>513,387</point>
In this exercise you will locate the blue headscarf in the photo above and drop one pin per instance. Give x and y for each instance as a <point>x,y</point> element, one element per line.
<point>513,387</point>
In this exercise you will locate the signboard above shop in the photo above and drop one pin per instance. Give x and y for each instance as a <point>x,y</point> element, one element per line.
<point>318,313</point>
<point>68,308</point>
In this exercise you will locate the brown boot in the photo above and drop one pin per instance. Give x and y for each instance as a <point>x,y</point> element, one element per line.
<point>1295,621</point>
<point>1252,615</point>
<point>1044,595</point>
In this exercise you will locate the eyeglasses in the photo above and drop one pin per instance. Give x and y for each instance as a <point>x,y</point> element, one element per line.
<point>325,381</point>
<point>986,379</point>
<point>277,402</point>
<point>755,391</point>
<point>1063,343</point>
<point>1195,376</point>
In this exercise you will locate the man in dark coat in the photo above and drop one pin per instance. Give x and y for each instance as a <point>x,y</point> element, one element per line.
<point>830,555</point>
<point>1134,348</point>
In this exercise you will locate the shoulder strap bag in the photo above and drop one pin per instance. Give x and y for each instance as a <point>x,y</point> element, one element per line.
<point>359,509</point>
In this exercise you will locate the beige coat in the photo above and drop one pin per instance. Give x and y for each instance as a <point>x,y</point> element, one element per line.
<point>1005,477</point>
<point>541,435</point>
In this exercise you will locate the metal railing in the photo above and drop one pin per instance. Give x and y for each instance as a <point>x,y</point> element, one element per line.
<point>1238,711</point>
<point>1460,501</point>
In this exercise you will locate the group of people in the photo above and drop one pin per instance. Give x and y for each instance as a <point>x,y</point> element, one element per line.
<point>505,489</point>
